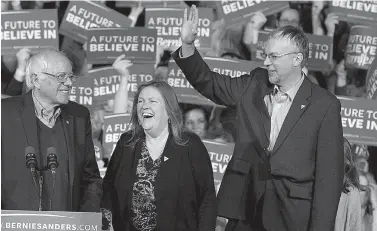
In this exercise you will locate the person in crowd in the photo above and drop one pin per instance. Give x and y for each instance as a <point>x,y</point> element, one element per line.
<point>258,20</point>
<point>97,121</point>
<point>159,176</point>
<point>348,217</point>
<point>41,122</point>
<point>281,176</point>
<point>196,119</point>
<point>5,6</point>
<point>368,203</point>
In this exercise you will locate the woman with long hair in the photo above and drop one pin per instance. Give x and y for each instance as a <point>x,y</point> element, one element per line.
<point>348,217</point>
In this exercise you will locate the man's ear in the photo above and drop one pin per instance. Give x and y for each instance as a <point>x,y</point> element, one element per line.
<point>35,81</point>
<point>298,60</point>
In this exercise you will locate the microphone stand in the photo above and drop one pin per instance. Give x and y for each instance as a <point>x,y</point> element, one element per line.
<point>53,188</point>
<point>40,192</point>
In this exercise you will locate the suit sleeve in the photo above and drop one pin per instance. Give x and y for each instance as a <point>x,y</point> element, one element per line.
<point>91,182</point>
<point>205,187</point>
<point>221,89</point>
<point>329,171</point>
<point>14,88</point>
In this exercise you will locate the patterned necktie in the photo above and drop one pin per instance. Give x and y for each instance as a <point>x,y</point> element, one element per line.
<point>278,99</point>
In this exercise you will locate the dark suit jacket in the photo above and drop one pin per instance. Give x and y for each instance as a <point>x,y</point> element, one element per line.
<point>300,182</point>
<point>19,130</point>
<point>13,88</point>
<point>184,191</point>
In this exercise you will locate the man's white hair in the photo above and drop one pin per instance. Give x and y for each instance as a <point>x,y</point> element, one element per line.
<point>39,63</point>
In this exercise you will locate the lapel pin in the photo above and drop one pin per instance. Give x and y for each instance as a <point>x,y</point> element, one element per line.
<point>67,122</point>
<point>165,158</point>
<point>302,106</point>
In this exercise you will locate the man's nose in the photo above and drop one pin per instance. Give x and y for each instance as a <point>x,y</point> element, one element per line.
<point>267,61</point>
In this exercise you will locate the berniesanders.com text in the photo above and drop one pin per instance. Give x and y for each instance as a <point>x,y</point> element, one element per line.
<point>40,226</point>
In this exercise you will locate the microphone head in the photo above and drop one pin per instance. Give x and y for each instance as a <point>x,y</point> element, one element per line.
<point>31,159</point>
<point>51,150</point>
<point>29,150</point>
<point>52,159</point>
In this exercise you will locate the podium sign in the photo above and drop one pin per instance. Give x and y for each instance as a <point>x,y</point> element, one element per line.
<point>21,220</point>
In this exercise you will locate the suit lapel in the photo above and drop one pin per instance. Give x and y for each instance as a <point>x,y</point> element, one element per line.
<point>266,88</point>
<point>168,174</point>
<point>299,105</point>
<point>29,121</point>
<point>68,127</point>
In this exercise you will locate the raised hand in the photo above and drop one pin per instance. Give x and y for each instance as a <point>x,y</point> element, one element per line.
<point>258,19</point>
<point>317,7</point>
<point>330,22</point>
<point>23,56</point>
<point>190,26</point>
<point>121,65</point>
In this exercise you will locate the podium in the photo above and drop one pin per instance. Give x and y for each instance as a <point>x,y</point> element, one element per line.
<point>21,220</point>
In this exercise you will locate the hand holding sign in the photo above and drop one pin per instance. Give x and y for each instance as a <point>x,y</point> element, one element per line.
<point>190,26</point>
<point>330,22</point>
<point>121,65</point>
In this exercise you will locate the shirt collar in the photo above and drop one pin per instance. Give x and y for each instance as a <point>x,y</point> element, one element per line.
<point>42,110</point>
<point>293,90</point>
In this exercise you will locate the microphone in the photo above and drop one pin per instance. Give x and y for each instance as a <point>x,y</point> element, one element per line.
<point>52,164</point>
<point>31,159</point>
<point>52,159</point>
<point>31,163</point>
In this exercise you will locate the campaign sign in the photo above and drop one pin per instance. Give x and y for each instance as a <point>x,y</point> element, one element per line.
<point>235,11</point>
<point>82,91</point>
<point>358,12</point>
<point>33,29</point>
<point>75,53</point>
<point>106,44</point>
<point>83,15</point>
<point>359,120</point>
<point>220,154</point>
<point>150,3</point>
<point>371,81</point>
<point>106,82</point>
<point>21,220</point>
<point>114,126</point>
<point>187,94</point>
<point>320,50</point>
<point>168,22</point>
<point>140,73</point>
<point>361,47</point>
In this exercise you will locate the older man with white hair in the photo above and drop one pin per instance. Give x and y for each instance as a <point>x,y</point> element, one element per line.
<point>46,132</point>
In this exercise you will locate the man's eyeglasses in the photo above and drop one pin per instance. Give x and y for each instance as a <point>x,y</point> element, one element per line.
<point>62,77</point>
<point>275,56</point>
<point>286,22</point>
